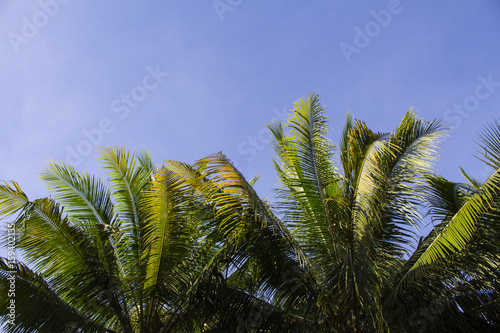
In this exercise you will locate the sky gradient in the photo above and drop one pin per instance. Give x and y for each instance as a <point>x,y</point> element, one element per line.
<point>185,79</point>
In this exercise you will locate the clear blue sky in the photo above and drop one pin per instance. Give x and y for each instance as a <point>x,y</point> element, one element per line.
<point>100,67</point>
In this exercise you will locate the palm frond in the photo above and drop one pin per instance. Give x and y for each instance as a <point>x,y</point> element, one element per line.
<point>489,142</point>
<point>461,228</point>
<point>84,196</point>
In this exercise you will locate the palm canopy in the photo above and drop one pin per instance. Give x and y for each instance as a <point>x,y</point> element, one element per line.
<point>355,220</point>
<point>146,250</point>
<point>106,256</point>
<point>353,215</point>
<point>187,248</point>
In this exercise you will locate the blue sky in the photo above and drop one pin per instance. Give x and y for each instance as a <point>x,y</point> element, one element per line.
<point>185,79</point>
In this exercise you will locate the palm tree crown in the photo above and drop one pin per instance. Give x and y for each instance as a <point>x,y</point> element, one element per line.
<point>192,248</point>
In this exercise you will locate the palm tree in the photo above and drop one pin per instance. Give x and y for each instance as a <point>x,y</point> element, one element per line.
<point>120,255</point>
<point>355,222</point>
<point>342,255</point>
